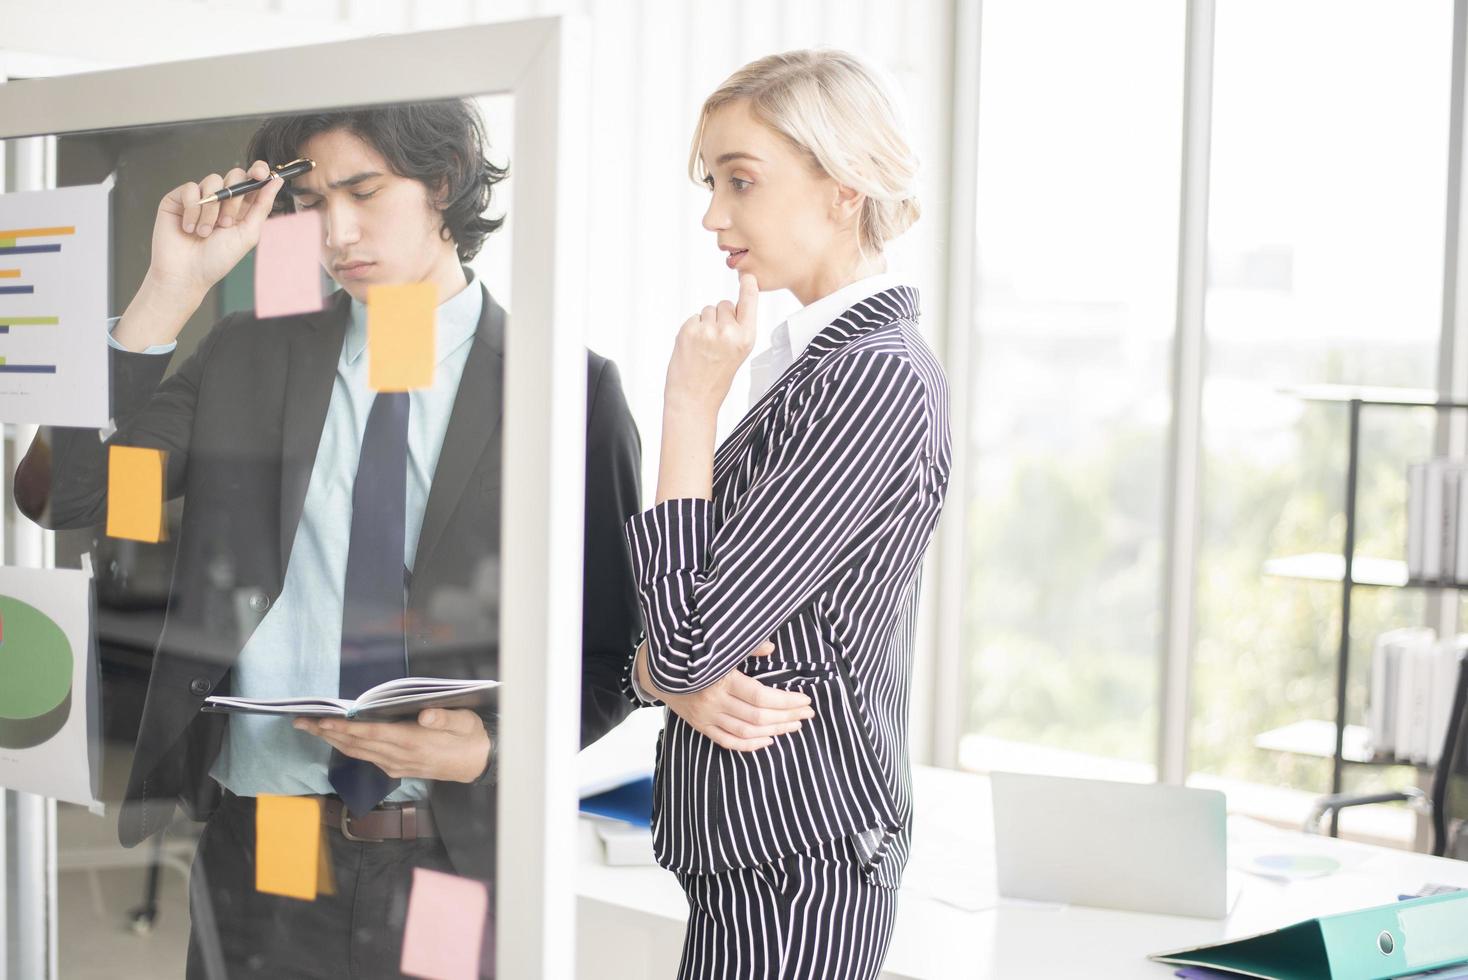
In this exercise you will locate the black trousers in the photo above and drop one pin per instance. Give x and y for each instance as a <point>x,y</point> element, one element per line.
<point>238,932</point>
<point>812,916</point>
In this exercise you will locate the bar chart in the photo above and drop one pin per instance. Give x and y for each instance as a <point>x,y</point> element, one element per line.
<point>24,241</point>
<point>53,306</point>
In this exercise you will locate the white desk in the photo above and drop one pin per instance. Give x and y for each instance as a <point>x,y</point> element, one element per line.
<point>630,923</point>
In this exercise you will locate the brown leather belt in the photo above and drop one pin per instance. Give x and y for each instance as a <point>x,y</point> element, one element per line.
<point>390,821</point>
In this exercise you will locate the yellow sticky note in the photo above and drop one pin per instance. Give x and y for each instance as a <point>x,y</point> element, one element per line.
<point>288,844</point>
<point>400,336</point>
<point>135,493</point>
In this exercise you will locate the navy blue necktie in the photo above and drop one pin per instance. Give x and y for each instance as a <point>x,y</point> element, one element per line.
<point>373,648</point>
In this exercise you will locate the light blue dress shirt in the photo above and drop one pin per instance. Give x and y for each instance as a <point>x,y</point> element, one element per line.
<point>296,649</point>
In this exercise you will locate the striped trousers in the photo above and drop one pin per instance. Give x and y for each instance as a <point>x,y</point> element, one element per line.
<point>810,916</point>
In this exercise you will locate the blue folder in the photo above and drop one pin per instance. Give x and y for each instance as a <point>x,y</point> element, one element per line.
<point>631,802</point>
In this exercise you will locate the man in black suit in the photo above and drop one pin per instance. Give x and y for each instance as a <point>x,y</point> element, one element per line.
<point>301,485</point>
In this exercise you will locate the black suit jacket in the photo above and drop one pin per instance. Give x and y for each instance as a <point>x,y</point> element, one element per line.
<point>241,421</point>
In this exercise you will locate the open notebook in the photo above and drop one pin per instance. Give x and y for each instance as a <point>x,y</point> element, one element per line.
<point>403,697</point>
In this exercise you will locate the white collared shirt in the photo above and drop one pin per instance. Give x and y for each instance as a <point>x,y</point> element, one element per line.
<point>790,339</point>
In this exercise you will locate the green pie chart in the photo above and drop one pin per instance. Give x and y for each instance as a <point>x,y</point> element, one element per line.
<point>35,675</point>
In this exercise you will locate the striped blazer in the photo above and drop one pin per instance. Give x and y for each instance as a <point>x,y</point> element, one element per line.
<point>825,498</point>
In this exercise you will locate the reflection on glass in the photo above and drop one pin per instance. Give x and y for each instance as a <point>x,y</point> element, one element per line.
<point>1077,223</point>
<point>327,532</point>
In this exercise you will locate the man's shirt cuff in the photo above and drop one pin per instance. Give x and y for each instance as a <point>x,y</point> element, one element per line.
<point>154,349</point>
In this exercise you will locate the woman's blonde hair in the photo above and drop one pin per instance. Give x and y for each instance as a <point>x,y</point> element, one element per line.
<point>830,105</point>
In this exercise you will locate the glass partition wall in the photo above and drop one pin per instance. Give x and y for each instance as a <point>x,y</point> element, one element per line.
<point>225,551</point>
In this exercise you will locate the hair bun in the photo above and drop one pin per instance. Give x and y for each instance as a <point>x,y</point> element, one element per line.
<point>882,221</point>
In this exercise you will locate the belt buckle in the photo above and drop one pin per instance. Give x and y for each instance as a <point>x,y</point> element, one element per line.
<point>343,823</point>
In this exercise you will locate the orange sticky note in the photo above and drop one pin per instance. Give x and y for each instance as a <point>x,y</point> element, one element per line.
<point>400,336</point>
<point>288,843</point>
<point>288,265</point>
<point>445,927</point>
<point>135,493</point>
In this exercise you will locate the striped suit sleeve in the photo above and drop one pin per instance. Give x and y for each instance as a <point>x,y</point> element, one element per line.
<point>824,494</point>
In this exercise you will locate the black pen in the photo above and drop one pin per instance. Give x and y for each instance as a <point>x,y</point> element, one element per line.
<point>285,172</point>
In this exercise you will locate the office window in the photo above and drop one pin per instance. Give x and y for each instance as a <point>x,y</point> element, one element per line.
<point>1326,229</point>
<point>1079,148</point>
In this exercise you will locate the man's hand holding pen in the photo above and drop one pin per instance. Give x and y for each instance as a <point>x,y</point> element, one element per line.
<point>194,246</point>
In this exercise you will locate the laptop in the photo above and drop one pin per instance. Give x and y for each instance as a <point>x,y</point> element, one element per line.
<point>1136,847</point>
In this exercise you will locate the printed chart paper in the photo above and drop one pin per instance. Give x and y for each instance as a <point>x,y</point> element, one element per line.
<point>48,689</point>
<point>53,306</point>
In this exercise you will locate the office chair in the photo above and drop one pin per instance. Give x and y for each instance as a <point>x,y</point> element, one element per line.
<point>1446,805</point>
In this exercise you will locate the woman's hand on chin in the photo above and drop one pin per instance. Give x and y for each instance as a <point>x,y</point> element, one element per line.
<point>709,349</point>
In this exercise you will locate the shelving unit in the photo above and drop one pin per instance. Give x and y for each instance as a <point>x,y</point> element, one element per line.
<point>1336,740</point>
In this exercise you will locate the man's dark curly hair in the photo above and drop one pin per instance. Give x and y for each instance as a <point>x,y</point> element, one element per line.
<point>440,144</point>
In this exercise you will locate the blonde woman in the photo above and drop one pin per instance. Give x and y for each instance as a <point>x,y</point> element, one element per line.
<point>779,577</point>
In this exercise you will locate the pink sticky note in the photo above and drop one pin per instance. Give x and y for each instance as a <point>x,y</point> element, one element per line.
<point>445,927</point>
<point>288,265</point>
